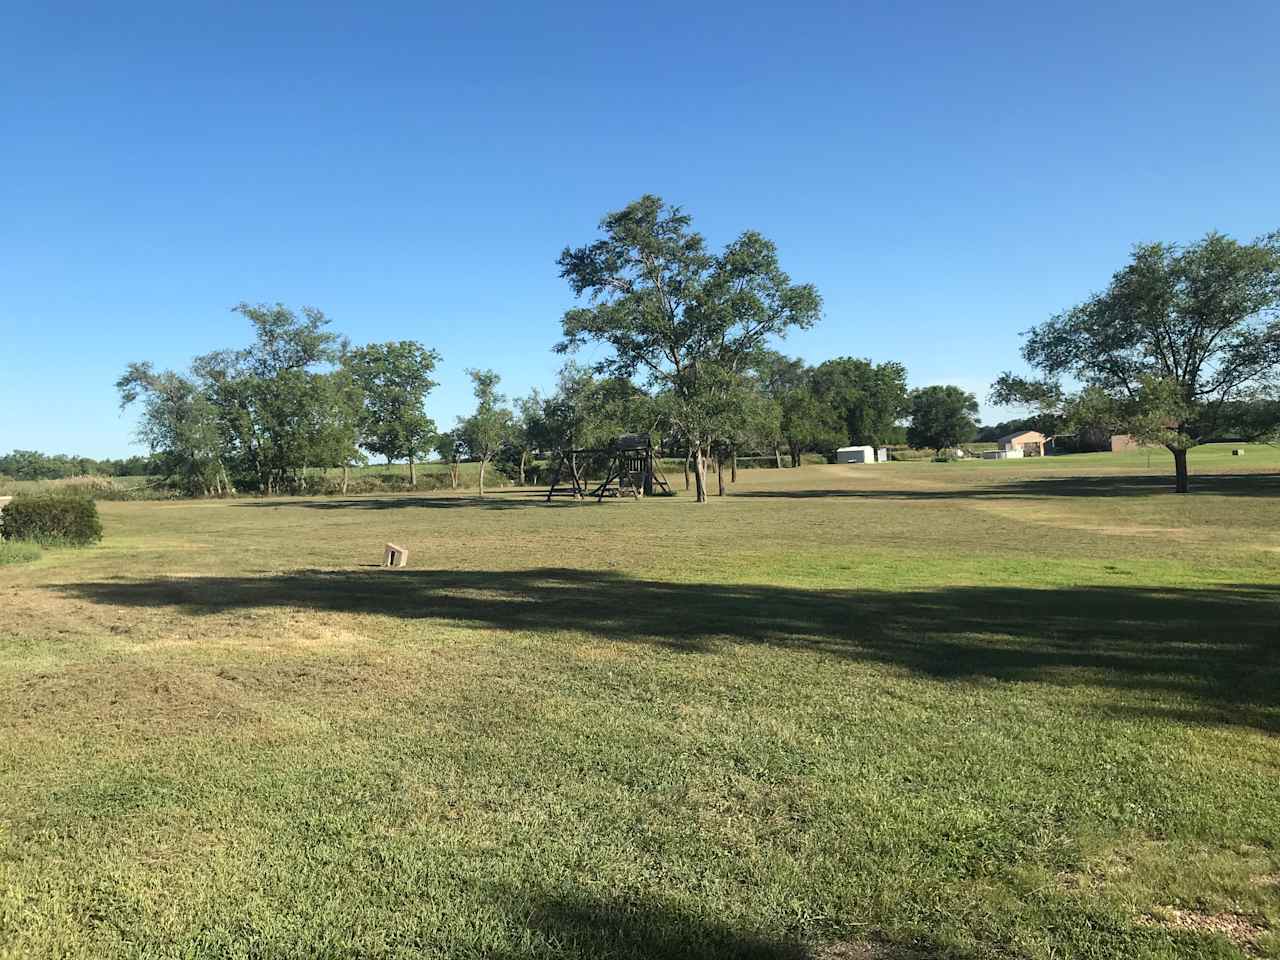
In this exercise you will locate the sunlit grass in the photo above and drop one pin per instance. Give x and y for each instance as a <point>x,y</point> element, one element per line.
<point>994,709</point>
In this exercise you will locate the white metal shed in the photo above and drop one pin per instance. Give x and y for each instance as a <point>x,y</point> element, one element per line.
<point>856,455</point>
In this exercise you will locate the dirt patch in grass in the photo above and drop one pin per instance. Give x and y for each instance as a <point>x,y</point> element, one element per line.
<point>867,950</point>
<point>1266,880</point>
<point>1240,930</point>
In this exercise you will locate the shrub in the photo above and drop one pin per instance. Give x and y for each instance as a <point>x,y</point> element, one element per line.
<point>13,551</point>
<point>51,518</point>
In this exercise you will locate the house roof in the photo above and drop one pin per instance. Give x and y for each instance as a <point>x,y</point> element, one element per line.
<point>1020,433</point>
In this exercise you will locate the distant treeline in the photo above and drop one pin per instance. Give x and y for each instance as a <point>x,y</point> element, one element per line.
<point>33,465</point>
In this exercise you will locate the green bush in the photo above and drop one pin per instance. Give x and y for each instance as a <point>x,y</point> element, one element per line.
<point>51,518</point>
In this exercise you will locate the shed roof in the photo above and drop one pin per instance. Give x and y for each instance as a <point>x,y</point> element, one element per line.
<point>1020,433</point>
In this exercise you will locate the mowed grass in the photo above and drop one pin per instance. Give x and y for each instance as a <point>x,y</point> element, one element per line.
<point>996,709</point>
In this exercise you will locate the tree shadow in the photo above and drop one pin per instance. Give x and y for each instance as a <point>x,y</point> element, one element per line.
<point>1243,485</point>
<point>574,925</point>
<point>1218,647</point>
<point>497,501</point>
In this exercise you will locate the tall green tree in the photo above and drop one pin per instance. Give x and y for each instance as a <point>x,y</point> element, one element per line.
<point>490,427</point>
<point>264,394</point>
<point>179,425</point>
<point>527,430</point>
<point>452,450</point>
<point>395,378</point>
<point>942,417</point>
<point>671,311</point>
<point>334,422</point>
<point>806,422</point>
<point>752,422</point>
<point>1182,346</point>
<point>868,398</point>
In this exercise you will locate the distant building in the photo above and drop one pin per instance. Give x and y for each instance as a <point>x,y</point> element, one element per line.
<point>1124,441</point>
<point>856,455</point>
<point>1023,443</point>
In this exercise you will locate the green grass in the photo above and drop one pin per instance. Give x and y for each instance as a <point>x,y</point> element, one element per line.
<point>993,709</point>
<point>18,551</point>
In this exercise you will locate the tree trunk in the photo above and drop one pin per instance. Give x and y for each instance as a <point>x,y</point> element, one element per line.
<point>523,455</point>
<point>720,472</point>
<point>413,472</point>
<point>794,450</point>
<point>777,456</point>
<point>733,465</point>
<point>687,457</point>
<point>1180,470</point>
<point>482,463</point>
<point>346,474</point>
<point>700,474</point>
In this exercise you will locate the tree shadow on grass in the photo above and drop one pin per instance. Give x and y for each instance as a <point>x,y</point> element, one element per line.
<point>1242,485</point>
<point>575,925</point>
<point>1216,648</point>
<point>497,501</point>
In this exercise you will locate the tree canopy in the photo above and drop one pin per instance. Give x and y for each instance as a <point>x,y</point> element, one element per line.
<point>869,398</point>
<point>942,417</point>
<point>395,378</point>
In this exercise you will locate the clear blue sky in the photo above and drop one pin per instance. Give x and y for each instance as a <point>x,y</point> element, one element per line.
<point>947,174</point>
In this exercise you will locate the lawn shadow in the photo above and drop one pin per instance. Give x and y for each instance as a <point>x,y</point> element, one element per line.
<point>1243,485</point>
<point>1217,648</point>
<point>494,501</point>
<point>575,925</point>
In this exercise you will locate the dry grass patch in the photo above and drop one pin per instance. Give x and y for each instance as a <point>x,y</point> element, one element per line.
<point>1240,930</point>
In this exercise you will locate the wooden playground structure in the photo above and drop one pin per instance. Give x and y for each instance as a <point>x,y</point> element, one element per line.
<point>632,470</point>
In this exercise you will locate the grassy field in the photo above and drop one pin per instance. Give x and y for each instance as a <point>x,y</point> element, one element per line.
<point>1016,709</point>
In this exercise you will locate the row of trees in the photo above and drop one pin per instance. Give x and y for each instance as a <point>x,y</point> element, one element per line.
<point>298,396</point>
<point>689,361</point>
<point>1183,345</point>
<point>32,465</point>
